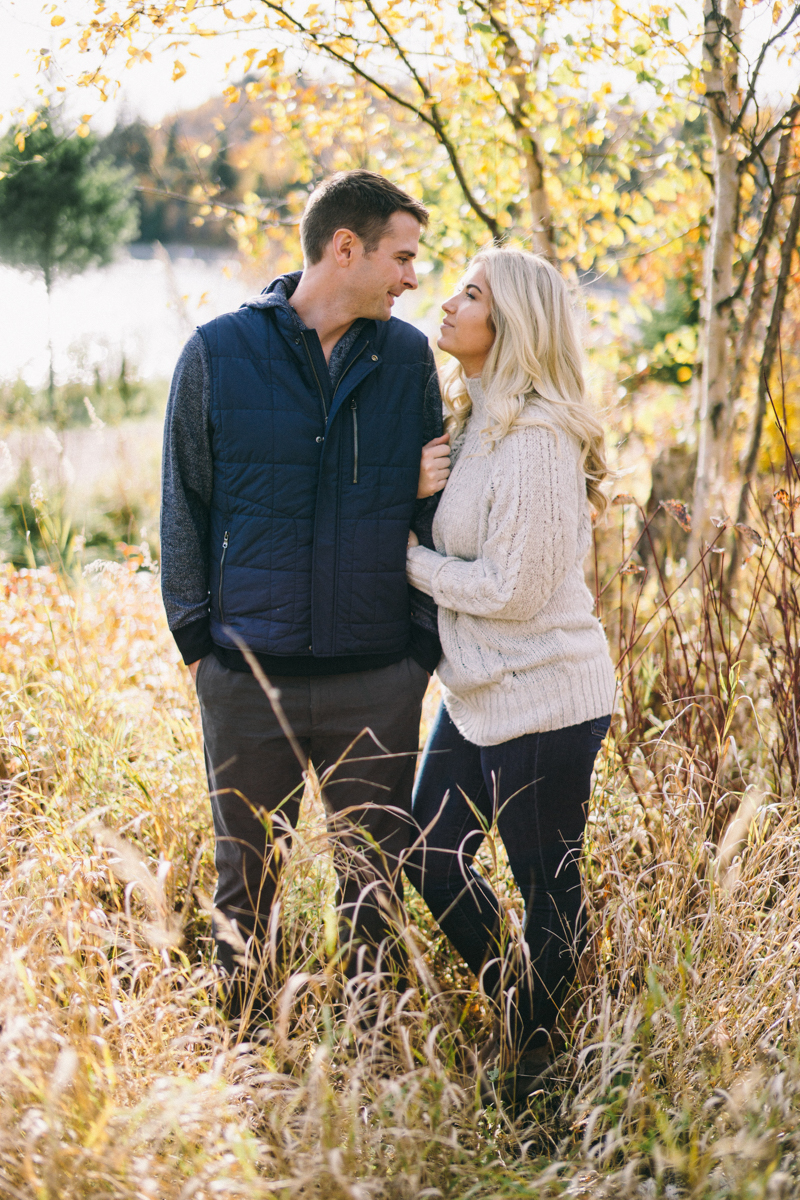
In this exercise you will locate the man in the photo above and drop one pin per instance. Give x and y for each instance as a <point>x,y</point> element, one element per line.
<point>291,476</point>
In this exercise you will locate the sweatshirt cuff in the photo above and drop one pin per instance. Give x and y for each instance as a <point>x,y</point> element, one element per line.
<point>425,648</point>
<point>421,564</point>
<point>194,640</point>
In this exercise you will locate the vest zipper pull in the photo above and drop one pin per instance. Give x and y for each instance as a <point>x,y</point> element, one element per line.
<point>222,577</point>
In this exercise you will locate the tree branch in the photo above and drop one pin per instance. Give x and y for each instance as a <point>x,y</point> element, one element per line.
<point>758,147</point>
<point>231,208</point>
<point>541,224</point>
<point>432,118</point>
<point>759,255</point>
<point>751,90</point>
<point>767,359</point>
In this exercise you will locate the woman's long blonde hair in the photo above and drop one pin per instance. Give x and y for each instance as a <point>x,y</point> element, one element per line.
<point>533,374</point>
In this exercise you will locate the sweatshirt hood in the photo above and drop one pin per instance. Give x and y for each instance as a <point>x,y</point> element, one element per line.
<point>277,293</point>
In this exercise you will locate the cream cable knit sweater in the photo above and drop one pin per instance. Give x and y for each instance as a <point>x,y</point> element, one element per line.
<point>523,651</point>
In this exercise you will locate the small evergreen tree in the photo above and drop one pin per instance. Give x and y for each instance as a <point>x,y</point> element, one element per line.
<point>63,207</point>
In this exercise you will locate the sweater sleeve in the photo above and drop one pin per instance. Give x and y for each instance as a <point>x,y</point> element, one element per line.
<point>186,485</point>
<point>531,539</point>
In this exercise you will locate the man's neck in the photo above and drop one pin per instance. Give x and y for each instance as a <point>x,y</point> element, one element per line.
<point>319,307</point>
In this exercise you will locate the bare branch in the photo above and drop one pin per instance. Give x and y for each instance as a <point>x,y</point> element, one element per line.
<point>768,356</point>
<point>759,256</point>
<point>432,117</point>
<point>751,90</point>
<point>214,203</point>
<point>542,229</point>
<point>785,123</point>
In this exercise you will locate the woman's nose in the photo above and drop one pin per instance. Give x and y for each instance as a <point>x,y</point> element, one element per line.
<point>449,306</point>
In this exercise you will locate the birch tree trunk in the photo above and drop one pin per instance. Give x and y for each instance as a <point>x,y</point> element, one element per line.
<point>518,112</point>
<point>720,76</point>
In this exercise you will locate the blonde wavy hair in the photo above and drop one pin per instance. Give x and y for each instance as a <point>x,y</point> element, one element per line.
<point>533,374</point>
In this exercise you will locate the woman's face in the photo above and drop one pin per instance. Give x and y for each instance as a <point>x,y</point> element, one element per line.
<point>466,332</point>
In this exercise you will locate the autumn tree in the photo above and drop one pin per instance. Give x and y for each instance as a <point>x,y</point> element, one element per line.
<point>566,126</point>
<point>749,185</point>
<point>63,207</point>
<point>503,115</point>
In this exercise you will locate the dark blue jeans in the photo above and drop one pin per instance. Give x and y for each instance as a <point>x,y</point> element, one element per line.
<point>535,789</point>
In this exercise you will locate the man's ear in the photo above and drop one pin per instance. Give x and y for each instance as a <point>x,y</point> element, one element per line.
<point>345,244</point>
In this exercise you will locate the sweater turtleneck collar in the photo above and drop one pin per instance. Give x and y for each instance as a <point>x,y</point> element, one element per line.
<point>476,394</point>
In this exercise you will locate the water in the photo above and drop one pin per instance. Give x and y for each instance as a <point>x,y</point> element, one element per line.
<point>144,305</point>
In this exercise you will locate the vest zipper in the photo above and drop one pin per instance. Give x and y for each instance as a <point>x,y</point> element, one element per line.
<point>347,367</point>
<point>353,409</point>
<point>316,377</point>
<point>222,576</point>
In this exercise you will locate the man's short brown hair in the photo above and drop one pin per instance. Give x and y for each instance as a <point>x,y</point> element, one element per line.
<point>360,201</point>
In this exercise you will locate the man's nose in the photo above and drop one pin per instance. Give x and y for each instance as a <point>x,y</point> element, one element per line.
<point>410,278</point>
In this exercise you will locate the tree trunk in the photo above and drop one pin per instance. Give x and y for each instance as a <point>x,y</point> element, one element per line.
<point>720,70</point>
<point>758,291</point>
<point>541,223</point>
<point>771,343</point>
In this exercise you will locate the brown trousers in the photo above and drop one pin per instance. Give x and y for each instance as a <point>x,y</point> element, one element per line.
<point>255,782</point>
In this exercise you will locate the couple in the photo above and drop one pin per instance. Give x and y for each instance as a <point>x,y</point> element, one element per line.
<point>304,457</point>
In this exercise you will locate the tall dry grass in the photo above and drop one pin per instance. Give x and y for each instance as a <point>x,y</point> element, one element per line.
<point>679,1073</point>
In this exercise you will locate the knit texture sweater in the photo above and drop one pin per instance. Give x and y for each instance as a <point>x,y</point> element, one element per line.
<point>523,651</point>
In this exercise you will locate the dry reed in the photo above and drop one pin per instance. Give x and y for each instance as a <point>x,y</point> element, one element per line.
<point>679,1073</point>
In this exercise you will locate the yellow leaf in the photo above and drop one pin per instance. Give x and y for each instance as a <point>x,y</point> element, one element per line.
<point>57,20</point>
<point>203,151</point>
<point>178,71</point>
<point>684,374</point>
<point>83,130</point>
<point>189,5</point>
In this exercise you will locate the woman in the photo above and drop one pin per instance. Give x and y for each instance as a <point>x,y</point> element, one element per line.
<point>526,676</point>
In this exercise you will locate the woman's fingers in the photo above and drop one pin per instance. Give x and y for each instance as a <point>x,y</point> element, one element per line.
<point>434,466</point>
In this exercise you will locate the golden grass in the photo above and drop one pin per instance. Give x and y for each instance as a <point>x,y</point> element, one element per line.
<point>118,1078</point>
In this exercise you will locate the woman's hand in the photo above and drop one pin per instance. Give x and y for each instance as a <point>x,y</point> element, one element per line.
<point>413,540</point>
<point>434,467</point>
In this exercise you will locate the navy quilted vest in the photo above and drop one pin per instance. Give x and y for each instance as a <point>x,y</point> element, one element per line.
<point>311,508</point>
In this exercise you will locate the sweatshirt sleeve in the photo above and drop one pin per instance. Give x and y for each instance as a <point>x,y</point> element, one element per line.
<point>531,540</point>
<point>186,485</point>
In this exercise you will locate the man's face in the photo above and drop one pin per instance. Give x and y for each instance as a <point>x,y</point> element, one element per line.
<point>375,280</point>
